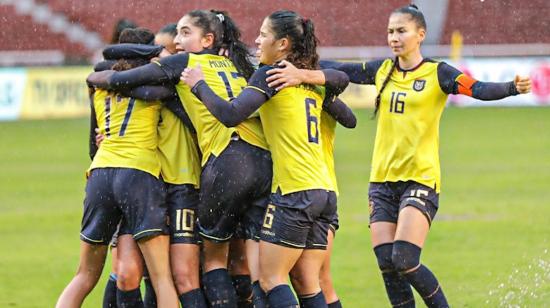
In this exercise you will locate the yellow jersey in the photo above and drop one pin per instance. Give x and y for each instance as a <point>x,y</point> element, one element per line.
<point>407,134</point>
<point>178,152</point>
<point>291,120</point>
<point>328,134</point>
<point>223,78</point>
<point>130,129</point>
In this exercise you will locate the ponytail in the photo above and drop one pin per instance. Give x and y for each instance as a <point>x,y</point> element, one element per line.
<point>226,35</point>
<point>301,34</point>
<point>384,84</point>
<point>231,39</point>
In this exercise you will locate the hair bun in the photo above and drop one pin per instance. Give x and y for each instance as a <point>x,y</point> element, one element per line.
<point>412,5</point>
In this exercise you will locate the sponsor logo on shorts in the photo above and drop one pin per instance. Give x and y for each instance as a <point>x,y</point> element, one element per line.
<point>184,234</point>
<point>267,232</point>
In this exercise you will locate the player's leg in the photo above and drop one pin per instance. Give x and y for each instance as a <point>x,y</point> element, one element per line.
<point>240,272</point>
<point>92,260</point>
<point>384,209</point>
<point>182,203</point>
<point>142,199</point>
<point>109,294</point>
<point>325,277</point>
<point>418,207</point>
<point>99,222</point>
<point>130,271</point>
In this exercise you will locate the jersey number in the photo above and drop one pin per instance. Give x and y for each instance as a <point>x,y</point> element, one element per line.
<point>397,103</point>
<point>225,80</point>
<point>185,220</point>
<point>312,122</point>
<point>269,216</point>
<point>126,116</point>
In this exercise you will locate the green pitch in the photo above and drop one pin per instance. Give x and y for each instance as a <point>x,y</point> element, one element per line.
<point>488,246</point>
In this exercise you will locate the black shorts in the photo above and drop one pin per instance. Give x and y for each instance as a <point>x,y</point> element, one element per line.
<point>388,198</point>
<point>231,184</point>
<point>133,197</point>
<point>300,219</point>
<point>182,202</point>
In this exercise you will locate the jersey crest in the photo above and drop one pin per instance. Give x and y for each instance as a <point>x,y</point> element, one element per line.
<point>419,84</point>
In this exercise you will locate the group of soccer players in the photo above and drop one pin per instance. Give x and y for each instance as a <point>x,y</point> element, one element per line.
<point>230,154</point>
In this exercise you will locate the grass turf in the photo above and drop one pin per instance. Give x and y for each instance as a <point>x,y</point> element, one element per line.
<point>488,246</point>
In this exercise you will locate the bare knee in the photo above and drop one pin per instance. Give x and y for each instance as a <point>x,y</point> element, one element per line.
<point>186,278</point>
<point>129,275</point>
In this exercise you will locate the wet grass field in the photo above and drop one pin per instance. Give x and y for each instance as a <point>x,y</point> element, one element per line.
<point>489,245</point>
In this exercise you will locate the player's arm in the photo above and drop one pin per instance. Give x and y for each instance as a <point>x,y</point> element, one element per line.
<point>104,65</point>
<point>230,114</point>
<point>453,81</point>
<point>92,146</point>
<point>360,73</point>
<point>339,111</point>
<point>149,93</point>
<point>165,72</point>
<point>287,75</point>
<point>131,51</point>
<point>174,104</point>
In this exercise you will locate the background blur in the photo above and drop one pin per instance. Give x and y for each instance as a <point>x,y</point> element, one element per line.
<point>489,244</point>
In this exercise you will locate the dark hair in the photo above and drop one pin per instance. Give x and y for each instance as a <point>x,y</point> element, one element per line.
<point>135,36</point>
<point>171,29</point>
<point>226,35</point>
<point>119,27</point>
<point>384,84</point>
<point>301,33</point>
<point>416,15</point>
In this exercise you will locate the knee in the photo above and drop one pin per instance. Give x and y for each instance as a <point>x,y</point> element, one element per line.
<point>185,278</point>
<point>383,254</point>
<point>129,276</point>
<point>297,282</point>
<point>405,256</point>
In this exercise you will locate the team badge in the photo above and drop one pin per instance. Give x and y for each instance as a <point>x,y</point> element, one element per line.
<point>419,85</point>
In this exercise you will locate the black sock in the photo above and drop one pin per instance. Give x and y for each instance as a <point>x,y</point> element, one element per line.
<point>193,299</point>
<point>425,283</point>
<point>317,300</point>
<point>406,257</point>
<point>281,297</point>
<point>150,298</point>
<point>336,304</point>
<point>259,298</point>
<point>109,295</point>
<point>243,288</point>
<point>218,288</point>
<point>397,287</point>
<point>129,299</point>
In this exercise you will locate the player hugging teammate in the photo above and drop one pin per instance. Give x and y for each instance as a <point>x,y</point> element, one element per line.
<point>264,205</point>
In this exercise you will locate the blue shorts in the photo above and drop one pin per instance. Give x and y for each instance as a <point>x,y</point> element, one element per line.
<point>182,202</point>
<point>388,198</point>
<point>300,219</point>
<point>232,186</point>
<point>132,197</point>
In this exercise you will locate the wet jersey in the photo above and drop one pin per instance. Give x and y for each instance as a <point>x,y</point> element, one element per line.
<point>130,129</point>
<point>178,151</point>
<point>222,76</point>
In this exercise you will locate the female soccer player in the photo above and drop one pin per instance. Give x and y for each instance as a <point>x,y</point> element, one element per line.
<point>123,186</point>
<point>300,210</point>
<point>405,176</point>
<point>236,173</point>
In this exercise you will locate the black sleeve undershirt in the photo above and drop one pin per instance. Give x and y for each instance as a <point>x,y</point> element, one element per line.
<point>131,51</point>
<point>92,147</point>
<point>447,76</point>
<point>336,108</point>
<point>360,73</point>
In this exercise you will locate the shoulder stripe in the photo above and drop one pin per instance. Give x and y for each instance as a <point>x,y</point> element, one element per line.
<point>256,88</point>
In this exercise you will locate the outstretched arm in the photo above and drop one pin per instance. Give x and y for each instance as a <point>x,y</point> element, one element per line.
<point>453,81</point>
<point>240,108</point>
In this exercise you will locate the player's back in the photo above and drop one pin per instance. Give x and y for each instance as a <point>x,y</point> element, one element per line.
<point>130,129</point>
<point>291,120</point>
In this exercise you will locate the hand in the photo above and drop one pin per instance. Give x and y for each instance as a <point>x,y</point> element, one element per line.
<point>98,137</point>
<point>286,75</point>
<point>192,75</point>
<point>523,84</point>
<point>224,51</point>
